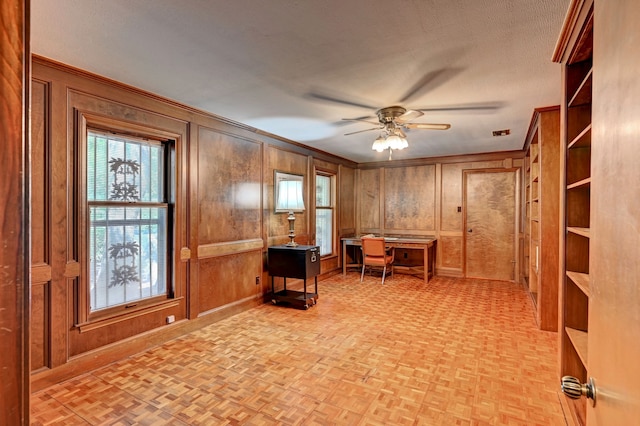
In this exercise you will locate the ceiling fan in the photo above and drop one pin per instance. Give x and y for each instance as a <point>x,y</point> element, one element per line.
<point>392,122</point>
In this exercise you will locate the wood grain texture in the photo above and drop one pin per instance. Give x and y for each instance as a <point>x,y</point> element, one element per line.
<point>451,218</point>
<point>548,269</point>
<point>231,247</point>
<point>409,202</point>
<point>228,279</point>
<point>450,251</point>
<point>230,192</point>
<point>277,224</point>
<point>490,215</point>
<point>39,325</point>
<point>14,215</point>
<point>40,180</point>
<point>347,198</point>
<point>614,326</point>
<point>369,199</point>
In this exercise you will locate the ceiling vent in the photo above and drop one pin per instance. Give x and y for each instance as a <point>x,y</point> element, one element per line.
<point>504,132</point>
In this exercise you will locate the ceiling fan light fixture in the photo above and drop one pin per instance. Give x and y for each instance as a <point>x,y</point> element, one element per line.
<point>397,142</point>
<point>380,144</point>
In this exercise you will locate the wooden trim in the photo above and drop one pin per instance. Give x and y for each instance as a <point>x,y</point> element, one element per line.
<point>15,76</point>
<point>227,248</point>
<point>571,20</point>
<point>114,319</point>
<point>50,63</point>
<point>533,124</point>
<point>40,274</point>
<point>185,254</point>
<point>72,270</point>
<point>467,158</point>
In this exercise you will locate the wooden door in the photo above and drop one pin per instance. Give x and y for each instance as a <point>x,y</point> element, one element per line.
<point>490,223</point>
<point>614,301</point>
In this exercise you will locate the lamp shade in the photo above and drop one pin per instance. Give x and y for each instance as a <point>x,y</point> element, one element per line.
<point>290,196</point>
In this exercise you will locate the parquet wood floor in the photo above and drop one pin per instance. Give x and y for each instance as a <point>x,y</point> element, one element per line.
<point>452,352</point>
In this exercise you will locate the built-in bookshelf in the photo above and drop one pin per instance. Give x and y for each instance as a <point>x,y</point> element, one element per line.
<point>542,223</point>
<point>576,58</point>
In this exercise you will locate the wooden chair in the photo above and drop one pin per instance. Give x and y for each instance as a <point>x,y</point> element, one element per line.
<point>375,254</point>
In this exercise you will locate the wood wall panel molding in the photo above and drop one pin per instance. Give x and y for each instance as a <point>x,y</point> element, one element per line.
<point>40,324</point>
<point>277,225</point>
<point>40,274</point>
<point>231,247</point>
<point>228,279</point>
<point>491,156</point>
<point>451,204</point>
<point>40,173</point>
<point>185,254</point>
<point>450,252</point>
<point>409,198</point>
<point>347,198</point>
<point>72,270</point>
<point>230,188</point>
<point>369,195</point>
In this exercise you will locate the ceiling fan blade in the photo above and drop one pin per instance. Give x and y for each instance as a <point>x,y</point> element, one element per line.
<point>411,114</point>
<point>361,120</point>
<point>335,99</point>
<point>361,131</point>
<point>428,126</point>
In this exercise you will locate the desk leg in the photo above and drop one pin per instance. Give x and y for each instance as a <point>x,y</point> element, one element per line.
<point>344,259</point>
<point>433,248</point>
<point>425,264</point>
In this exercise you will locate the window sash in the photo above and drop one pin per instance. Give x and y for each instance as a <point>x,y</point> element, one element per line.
<point>128,222</point>
<point>128,254</point>
<point>325,216</point>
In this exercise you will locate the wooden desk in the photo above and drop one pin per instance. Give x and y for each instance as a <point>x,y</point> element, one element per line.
<point>427,245</point>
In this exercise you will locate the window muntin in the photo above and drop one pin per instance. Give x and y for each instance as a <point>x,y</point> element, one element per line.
<point>127,220</point>
<point>324,213</point>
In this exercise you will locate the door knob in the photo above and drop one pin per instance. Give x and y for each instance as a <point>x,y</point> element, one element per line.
<point>469,230</point>
<point>572,387</point>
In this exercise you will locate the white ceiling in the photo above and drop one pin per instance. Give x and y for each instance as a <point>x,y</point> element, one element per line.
<point>269,63</point>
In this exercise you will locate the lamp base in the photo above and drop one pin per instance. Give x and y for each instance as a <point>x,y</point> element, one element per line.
<point>292,234</point>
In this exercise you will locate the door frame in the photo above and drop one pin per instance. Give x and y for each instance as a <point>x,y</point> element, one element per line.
<point>516,219</point>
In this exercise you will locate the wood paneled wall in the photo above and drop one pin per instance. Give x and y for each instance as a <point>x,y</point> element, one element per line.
<point>423,198</point>
<point>224,214</point>
<point>224,217</point>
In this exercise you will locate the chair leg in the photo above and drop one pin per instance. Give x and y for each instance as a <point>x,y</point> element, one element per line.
<point>362,275</point>
<point>384,272</point>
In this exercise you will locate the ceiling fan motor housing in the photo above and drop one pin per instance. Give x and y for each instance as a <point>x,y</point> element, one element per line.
<point>389,114</point>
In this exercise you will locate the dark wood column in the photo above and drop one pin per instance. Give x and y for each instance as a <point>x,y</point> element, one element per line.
<point>14,196</point>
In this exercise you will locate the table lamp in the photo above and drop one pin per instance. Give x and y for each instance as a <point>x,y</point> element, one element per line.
<point>290,199</point>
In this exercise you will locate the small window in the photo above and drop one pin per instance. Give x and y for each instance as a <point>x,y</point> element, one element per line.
<point>128,220</point>
<point>325,213</point>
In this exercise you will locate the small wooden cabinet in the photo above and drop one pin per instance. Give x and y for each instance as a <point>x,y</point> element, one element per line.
<point>575,51</point>
<point>542,225</point>
<point>294,262</point>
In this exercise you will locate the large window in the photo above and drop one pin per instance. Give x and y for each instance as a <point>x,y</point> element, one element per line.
<point>128,220</point>
<point>325,213</point>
